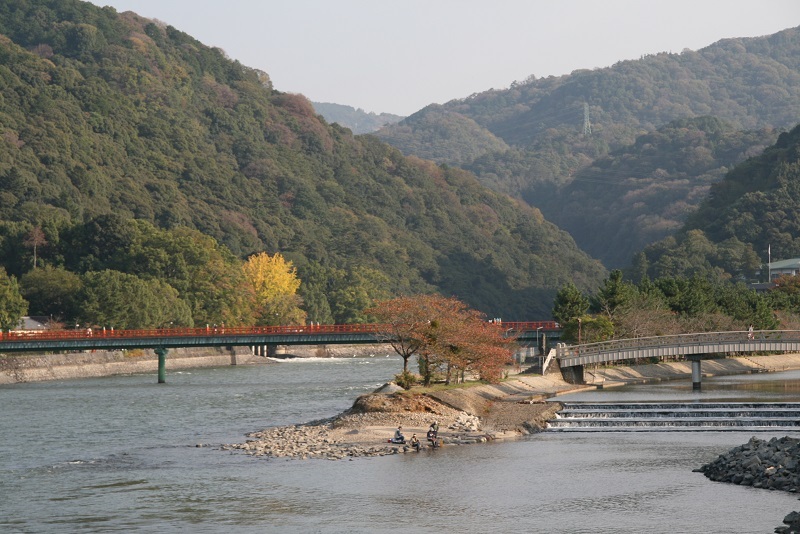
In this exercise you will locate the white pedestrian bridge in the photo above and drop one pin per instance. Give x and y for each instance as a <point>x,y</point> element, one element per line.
<point>694,347</point>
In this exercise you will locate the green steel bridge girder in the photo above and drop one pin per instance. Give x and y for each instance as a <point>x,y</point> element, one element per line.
<point>100,343</point>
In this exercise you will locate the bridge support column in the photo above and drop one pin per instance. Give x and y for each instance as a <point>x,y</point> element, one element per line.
<point>161,352</point>
<point>272,350</point>
<point>697,376</point>
<point>573,374</point>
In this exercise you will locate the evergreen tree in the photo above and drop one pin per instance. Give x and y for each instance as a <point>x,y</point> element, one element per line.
<point>12,305</point>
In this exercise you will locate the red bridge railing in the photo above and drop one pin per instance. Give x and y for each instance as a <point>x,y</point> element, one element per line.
<point>87,333</point>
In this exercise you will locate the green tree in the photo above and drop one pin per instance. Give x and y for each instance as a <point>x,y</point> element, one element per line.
<point>613,294</point>
<point>569,304</point>
<point>355,290</point>
<point>207,276</point>
<point>12,305</point>
<point>52,291</point>
<point>119,300</point>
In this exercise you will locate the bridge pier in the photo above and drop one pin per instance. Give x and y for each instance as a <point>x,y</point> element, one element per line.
<point>573,374</point>
<point>697,375</point>
<point>161,352</point>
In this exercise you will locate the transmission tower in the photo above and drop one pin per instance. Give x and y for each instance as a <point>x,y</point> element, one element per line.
<point>587,124</point>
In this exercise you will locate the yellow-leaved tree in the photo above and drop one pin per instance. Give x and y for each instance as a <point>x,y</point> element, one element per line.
<point>275,284</point>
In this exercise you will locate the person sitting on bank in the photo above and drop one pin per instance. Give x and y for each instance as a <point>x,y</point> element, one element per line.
<point>398,435</point>
<point>415,442</point>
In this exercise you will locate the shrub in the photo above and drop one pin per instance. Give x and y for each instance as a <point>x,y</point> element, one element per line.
<point>406,379</point>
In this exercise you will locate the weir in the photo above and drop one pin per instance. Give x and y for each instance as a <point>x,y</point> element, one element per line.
<point>676,417</point>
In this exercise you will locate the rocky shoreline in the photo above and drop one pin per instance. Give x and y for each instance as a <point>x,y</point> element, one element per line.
<point>365,429</point>
<point>773,464</point>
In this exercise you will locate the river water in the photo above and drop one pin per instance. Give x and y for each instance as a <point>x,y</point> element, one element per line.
<point>121,454</point>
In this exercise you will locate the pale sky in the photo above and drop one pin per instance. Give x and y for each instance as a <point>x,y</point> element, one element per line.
<point>397,56</point>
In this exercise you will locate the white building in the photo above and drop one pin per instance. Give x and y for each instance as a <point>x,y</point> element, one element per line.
<point>784,267</point>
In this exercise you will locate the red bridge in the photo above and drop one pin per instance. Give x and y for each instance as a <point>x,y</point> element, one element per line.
<point>162,339</point>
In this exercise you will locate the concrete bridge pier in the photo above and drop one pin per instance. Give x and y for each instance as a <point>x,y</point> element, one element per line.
<point>268,350</point>
<point>573,374</point>
<point>161,352</point>
<point>697,375</point>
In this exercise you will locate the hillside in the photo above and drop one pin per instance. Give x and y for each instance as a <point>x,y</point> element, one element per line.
<point>421,133</point>
<point>750,84</point>
<point>753,210</point>
<point>643,192</point>
<point>358,120</point>
<point>105,113</point>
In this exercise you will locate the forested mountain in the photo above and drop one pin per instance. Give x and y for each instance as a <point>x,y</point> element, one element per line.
<point>753,210</point>
<point>358,120</point>
<point>420,135</point>
<point>643,192</point>
<point>113,115</point>
<point>561,130</point>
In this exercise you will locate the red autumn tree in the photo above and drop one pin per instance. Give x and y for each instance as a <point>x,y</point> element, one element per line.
<point>406,321</point>
<point>446,335</point>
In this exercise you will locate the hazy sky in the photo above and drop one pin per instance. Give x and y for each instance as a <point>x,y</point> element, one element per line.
<point>397,56</point>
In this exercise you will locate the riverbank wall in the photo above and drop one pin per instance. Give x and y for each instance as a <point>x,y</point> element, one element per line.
<point>87,364</point>
<point>15,368</point>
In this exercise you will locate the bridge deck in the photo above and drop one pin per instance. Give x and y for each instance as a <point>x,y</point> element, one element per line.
<point>697,345</point>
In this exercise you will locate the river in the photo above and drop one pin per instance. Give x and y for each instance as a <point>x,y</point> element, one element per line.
<point>124,454</point>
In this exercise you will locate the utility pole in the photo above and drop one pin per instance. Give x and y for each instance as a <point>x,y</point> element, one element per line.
<point>769,263</point>
<point>587,124</point>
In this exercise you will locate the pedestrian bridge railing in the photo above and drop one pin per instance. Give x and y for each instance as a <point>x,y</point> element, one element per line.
<point>697,344</point>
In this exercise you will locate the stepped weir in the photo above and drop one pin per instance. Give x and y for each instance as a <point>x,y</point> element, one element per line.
<point>676,417</point>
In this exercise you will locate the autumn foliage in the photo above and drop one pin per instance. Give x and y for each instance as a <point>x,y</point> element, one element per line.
<point>447,336</point>
<point>275,283</point>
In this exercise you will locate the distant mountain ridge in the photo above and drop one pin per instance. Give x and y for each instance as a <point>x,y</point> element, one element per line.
<point>558,128</point>
<point>358,120</point>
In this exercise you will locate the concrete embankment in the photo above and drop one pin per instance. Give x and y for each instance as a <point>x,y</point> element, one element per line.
<point>40,367</point>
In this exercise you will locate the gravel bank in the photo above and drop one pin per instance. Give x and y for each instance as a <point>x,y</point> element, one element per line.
<point>366,428</point>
